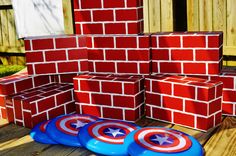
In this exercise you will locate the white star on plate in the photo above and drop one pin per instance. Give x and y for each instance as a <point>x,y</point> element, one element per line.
<point>78,124</point>
<point>114,132</point>
<point>162,140</point>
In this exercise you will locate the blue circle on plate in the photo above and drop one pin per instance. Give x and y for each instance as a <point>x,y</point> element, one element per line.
<point>64,129</point>
<point>159,141</point>
<point>38,133</point>
<point>106,137</point>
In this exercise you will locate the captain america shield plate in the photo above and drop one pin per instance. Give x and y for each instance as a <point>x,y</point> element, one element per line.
<point>64,129</point>
<point>106,137</point>
<point>157,141</point>
<point>38,134</point>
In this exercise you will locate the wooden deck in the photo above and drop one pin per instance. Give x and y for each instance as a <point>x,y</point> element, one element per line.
<point>15,140</point>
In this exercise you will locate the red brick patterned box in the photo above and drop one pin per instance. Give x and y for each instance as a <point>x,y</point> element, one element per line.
<point>191,102</point>
<point>108,16</point>
<point>109,96</point>
<point>56,55</point>
<point>33,106</point>
<point>187,53</point>
<point>17,83</point>
<point>119,54</point>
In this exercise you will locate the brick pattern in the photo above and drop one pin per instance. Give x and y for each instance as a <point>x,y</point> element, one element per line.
<point>119,54</point>
<point>30,107</point>
<point>110,96</point>
<point>56,55</point>
<point>108,16</point>
<point>191,102</point>
<point>187,53</point>
<point>17,83</point>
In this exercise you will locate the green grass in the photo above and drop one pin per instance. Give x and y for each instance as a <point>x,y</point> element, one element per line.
<point>9,70</point>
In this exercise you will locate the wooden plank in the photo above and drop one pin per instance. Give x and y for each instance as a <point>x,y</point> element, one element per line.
<point>11,133</point>
<point>4,22</point>
<point>1,42</point>
<point>205,15</point>
<point>202,137</point>
<point>155,19</point>
<point>11,49</point>
<point>3,122</point>
<point>231,23</point>
<point>58,150</point>
<point>146,16</point>
<point>223,142</point>
<point>23,146</point>
<point>5,2</point>
<point>68,20</point>
<point>81,152</point>
<point>219,17</point>
<point>11,28</point>
<point>192,15</point>
<point>167,15</point>
<point>230,50</point>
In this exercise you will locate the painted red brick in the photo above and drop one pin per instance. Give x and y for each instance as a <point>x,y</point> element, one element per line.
<point>172,103</point>
<point>132,115</point>
<point>144,68</point>
<point>227,108</point>
<point>24,84</point>
<point>3,111</point>
<point>64,98</point>
<point>112,113</point>
<point>103,15</point>
<point>126,42</point>
<point>95,54</point>
<point>218,118</point>
<point>215,106</point>
<point>113,3</point>
<point>56,112</point>
<point>169,41</point>
<point>162,114</point>
<point>92,28</point>
<point>2,101</point>
<point>115,55</point>
<point>105,67</point>
<point>144,42</point>
<point>133,3</point>
<point>161,87</point>
<point>184,119</point>
<point>86,85</point>
<point>90,4</point>
<point>184,91</point>
<point>204,94</point>
<point>45,68</point>
<point>70,107</point>
<point>76,4</point>
<point>10,114</point>
<point>124,101</point>
<point>78,28</point>
<point>57,55</point>
<point>194,41</point>
<point>81,97</point>
<point>219,90</point>
<point>103,42</point>
<point>160,54</point>
<point>34,57</point>
<point>91,110</point>
<point>101,99</point>
<point>77,54</point>
<point>138,55</point>
<point>68,67</point>
<point>214,41</point>
<point>30,69</point>
<point>214,68</point>
<point>196,107</point>
<point>139,99</point>
<point>46,104</point>
<point>68,42</point>
<point>84,66</point>
<point>183,55</point>
<point>205,123</point>
<point>153,99</point>
<point>194,68</point>
<point>82,16</point>
<point>27,45</point>
<point>126,15</point>
<point>115,28</point>
<point>208,55</point>
<point>40,80</point>
<point>127,67</point>
<point>229,95</point>
<point>170,67</point>
<point>112,87</point>
<point>41,44</point>
<point>131,89</point>
<point>18,109</point>
<point>228,82</point>
<point>27,119</point>
<point>134,28</point>
<point>39,118</point>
